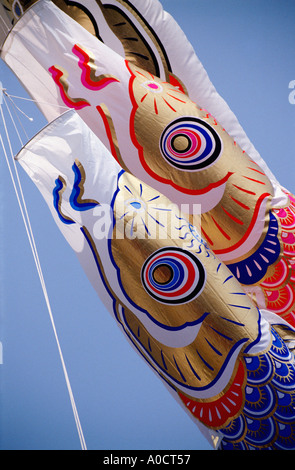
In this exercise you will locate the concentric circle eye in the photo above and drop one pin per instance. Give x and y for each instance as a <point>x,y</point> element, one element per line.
<point>190,144</point>
<point>173,276</point>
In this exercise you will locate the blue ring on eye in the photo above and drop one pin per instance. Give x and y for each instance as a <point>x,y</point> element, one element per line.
<point>177,274</point>
<point>203,144</point>
<point>185,281</point>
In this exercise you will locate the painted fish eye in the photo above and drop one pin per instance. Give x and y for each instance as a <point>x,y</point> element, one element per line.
<point>190,144</point>
<point>173,276</point>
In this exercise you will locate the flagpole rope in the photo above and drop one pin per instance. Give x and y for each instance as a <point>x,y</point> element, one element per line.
<point>35,101</point>
<point>25,216</point>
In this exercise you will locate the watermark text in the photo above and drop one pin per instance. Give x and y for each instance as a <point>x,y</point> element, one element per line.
<point>292,93</point>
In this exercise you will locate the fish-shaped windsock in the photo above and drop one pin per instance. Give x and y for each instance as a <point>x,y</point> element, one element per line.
<point>159,135</point>
<point>177,303</point>
<point>147,36</point>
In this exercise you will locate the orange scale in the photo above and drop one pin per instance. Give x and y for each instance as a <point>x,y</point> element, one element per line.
<point>287,217</point>
<point>288,239</point>
<point>280,301</point>
<point>292,199</point>
<point>292,264</point>
<point>279,277</point>
<point>290,318</point>
<point>215,414</point>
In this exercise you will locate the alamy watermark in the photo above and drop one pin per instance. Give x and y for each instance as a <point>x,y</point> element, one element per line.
<point>135,218</point>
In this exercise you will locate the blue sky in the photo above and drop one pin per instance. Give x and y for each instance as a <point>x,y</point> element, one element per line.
<point>248,51</point>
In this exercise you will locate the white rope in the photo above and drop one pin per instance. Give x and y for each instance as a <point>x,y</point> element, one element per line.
<point>22,205</point>
<point>37,101</point>
<point>15,126</point>
<point>20,110</point>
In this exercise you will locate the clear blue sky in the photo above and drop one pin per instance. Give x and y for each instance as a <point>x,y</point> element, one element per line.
<point>248,51</point>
